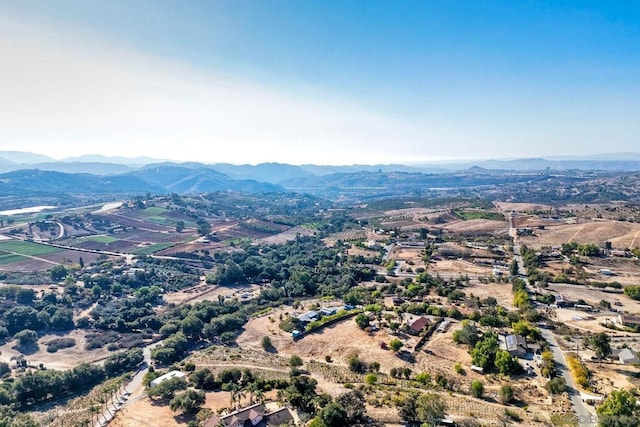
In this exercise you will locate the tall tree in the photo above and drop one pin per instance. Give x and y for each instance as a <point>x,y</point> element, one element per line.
<point>601,345</point>
<point>619,409</point>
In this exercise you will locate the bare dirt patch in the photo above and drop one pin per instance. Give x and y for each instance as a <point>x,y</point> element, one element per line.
<point>286,236</point>
<point>455,268</point>
<point>500,291</point>
<point>62,359</point>
<point>205,292</point>
<point>478,226</point>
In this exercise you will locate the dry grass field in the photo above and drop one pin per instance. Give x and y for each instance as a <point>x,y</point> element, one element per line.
<point>621,234</point>
<point>477,226</point>
<point>522,207</point>
<point>454,268</point>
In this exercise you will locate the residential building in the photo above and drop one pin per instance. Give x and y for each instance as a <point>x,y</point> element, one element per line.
<point>167,376</point>
<point>514,344</point>
<point>418,325</point>
<point>252,416</point>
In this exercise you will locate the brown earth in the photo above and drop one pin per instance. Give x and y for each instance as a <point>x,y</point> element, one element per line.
<point>621,234</point>
<point>62,359</point>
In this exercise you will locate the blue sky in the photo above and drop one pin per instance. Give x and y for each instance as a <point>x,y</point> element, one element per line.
<point>331,82</point>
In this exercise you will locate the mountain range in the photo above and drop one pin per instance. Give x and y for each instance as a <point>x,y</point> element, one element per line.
<point>36,175</point>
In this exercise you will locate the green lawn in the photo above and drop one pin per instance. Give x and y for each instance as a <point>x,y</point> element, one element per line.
<point>27,248</point>
<point>152,211</point>
<point>469,215</point>
<point>8,258</point>
<point>147,250</point>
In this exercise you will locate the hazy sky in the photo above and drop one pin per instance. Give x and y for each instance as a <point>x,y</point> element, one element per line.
<point>325,82</point>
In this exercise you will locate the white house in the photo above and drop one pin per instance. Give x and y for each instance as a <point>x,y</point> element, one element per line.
<point>167,376</point>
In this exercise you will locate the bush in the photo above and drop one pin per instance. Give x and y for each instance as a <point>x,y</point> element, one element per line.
<point>26,337</point>
<point>266,344</point>
<point>357,365</point>
<point>295,361</point>
<point>556,386</point>
<point>371,379</point>
<point>59,343</point>
<point>578,370</point>
<point>395,344</point>
<point>423,378</point>
<point>505,395</point>
<point>477,389</point>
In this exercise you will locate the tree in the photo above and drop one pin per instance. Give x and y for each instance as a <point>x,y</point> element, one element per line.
<point>204,227</point>
<point>423,378</point>
<point>506,363</point>
<point>633,291</point>
<point>167,389</point>
<point>601,345</point>
<point>619,409</point>
<point>26,337</point>
<point>362,320</point>
<point>203,379</point>
<point>187,402</point>
<point>521,299</point>
<point>180,226</point>
<point>514,268</point>
<point>192,326</point>
<point>266,344</point>
<point>505,394</point>
<point>477,389</point>
<point>547,369</point>
<point>58,273</point>
<point>484,352</point>
<point>430,409</point>
<point>332,415</point>
<point>353,404</point>
<point>357,365</point>
<point>468,334</point>
<point>395,344</point>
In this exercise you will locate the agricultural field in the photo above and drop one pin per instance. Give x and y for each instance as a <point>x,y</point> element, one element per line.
<point>23,256</point>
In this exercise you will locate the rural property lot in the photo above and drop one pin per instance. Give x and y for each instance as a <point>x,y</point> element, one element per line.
<point>621,234</point>
<point>477,226</point>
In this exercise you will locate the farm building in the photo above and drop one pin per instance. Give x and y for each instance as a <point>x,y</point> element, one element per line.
<point>628,356</point>
<point>309,316</point>
<point>442,327</point>
<point>254,415</point>
<point>167,376</point>
<point>627,320</point>
<point>328,311</point>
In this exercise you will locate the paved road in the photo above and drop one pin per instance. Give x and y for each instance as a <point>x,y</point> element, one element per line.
<point>584,414</point>
<point>131,392</point>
